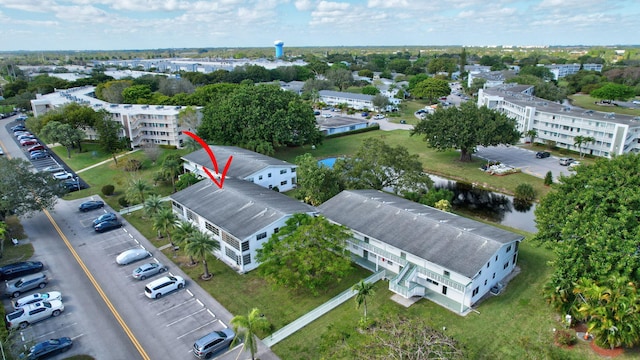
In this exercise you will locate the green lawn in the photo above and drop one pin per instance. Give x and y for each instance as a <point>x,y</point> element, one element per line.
<point>91,154</point>
<point>587,102</point>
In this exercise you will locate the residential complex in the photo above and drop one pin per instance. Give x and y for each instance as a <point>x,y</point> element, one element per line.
<point>425,252</point>
<point>142,124</point>
<point>613,134</point>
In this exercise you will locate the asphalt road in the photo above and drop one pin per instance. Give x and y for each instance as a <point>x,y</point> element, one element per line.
<point>525,159</point>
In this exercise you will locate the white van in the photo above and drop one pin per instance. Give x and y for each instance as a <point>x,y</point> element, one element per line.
<point>164,285</point>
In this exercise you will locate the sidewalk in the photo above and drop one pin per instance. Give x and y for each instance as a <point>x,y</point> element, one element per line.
<point>106,161</point>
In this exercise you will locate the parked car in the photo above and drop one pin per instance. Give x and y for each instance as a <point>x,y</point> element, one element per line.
<point>63,175</point>
<point>37,297</point>
<point>19,286</point>
<point>38,147</point>
<point>26,137</point>
<point>131,255</point>
<point>37,155</point>
<point>213,342</point>
<point>18,134</point>
<point>91,205</point>
<point>53,169</point>
<point>107,225</point>
<point>49,348</point>
<point>28,142</point>
<point>18,269</point>
<point>18,127</point>
<point>166,284</point>
<point>149,269</point>
<point>566,161</point>
<point>379,117</point>
<point>105,217</point>
<point>70,185</point>
<point>364,114</point>
<point>573,166</point>
<point>542,154</point>
<point>29,314</point>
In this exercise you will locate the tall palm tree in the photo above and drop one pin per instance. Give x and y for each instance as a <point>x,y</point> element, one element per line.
<point>183,234</point>
<point>199,246</point>
<point>532,135</point>
<point>172,167</point>
<point>137,190</point>
<point>363,291</point>
<point>164,221</point>
<point>246,327</point>
<point>152,205</point>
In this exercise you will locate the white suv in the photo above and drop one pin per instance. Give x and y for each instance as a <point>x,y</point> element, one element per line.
<point>164,285</point>
<point>31,313</point>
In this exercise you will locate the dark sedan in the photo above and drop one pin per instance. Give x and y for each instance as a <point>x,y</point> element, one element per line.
<point>105,217</point>
<point>91,205</point>
<point>49,348</point>
<point>18,269</point>
<point>107,225</point>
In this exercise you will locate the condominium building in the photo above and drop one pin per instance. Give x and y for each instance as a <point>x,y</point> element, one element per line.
<point>142,124</point>
<point>613,134</point>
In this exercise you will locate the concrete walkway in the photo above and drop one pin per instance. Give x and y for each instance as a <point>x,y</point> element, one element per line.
<point>106,161</point>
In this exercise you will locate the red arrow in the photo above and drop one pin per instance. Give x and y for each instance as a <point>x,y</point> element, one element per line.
<point>206,147</point>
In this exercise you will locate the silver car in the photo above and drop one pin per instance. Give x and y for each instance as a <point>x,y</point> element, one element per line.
<point>131,255</point>
<point>28,282</point>
<point>149,269</point>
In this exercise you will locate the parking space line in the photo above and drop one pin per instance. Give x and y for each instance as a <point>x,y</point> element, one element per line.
<point>173,307</point>
<point>199,302</point>
<point>131,236</point>
<point>210,313</point>
<point>183,318</point>
<point>53,332</point>
<point>196,329</point>
<point>190,293</point>
<point>77,336</point>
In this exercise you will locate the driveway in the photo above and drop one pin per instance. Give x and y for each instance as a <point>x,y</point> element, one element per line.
<point>524,159</point>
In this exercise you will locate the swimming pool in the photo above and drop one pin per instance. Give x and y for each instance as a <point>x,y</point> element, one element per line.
<point>328,162</point>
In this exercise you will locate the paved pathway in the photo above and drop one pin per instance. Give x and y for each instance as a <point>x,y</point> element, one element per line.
<point>106,161</point>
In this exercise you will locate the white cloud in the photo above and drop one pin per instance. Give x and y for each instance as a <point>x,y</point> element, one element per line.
<point>304,5</point>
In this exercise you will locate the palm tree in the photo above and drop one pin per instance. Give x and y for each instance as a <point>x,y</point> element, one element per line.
<point>171,167</point>
<point>183,234</point>
<point>531,134</point>
<point>247,327</point>
<point>191,145</point>
<point>200,245</point>
<point>363,291</point>
<point>164,221</point>
<point>136,191</point>
<point>152,205</point>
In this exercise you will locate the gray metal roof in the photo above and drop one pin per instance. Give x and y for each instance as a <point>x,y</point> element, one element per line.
<point>345,95</point>
<point>451,241</point>
<point>339,121</point>
<point>240,208</point>
<point>245,162</point>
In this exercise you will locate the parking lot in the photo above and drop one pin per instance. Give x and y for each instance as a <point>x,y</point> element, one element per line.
<point>524,159</point>
<point>166,327</point>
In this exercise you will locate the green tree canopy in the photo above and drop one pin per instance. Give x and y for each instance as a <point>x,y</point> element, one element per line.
<point>465,127</point>
<point>307,253</point>
<point>247,328</point>
<point>316,184</point>
<point>431,89</point>
<point>110,137</point>
<point>612,91</point>
<point>64,134</point>
<point>136,94</point>
<point>590,220</point>
<point>260,118</point>
<point>377,165</point>
<point>23,192</point>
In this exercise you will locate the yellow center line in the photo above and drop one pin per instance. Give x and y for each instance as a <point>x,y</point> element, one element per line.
<point>98,288</point>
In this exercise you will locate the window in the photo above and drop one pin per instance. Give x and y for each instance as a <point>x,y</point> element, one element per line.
<point>211,228</point>
<point>366,240</point>
<point>390,263</point>
<point>293,170</point>
<point>283,182</point>
<point>485,282</point>
<point>176,205</point>
<point>496,257</point>
<point>494,276</point>
<point>231,240</point>
<point>246,259</point>
<point>488,264</point>
<point>508,248</point>
<point>283,171</point>
<point>260,177</point>
<point>192,216</point>
<point>475,291</point>
<point>269,175</point>
<point>444,290</point>
<point>446,273</point>
<point>245,246</point>
<point>432,282</point>
<point>506,265</point>
<point>479,272</point>
<point>275,231</point>
<point>230,253</point>
<point>261,236</point>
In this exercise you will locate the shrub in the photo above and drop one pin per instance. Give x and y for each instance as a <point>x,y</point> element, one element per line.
<point>170,147</point>
<point>108,190</point>
<point>548,179</point>
<point>123,201</point>
<point>565,337</point>
<point>525,192</point>
<point>132,165</point>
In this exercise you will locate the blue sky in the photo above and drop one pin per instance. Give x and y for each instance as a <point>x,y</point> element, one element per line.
<point>151,24</point>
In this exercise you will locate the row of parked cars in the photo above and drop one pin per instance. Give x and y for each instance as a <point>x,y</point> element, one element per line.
<point>24,276</point>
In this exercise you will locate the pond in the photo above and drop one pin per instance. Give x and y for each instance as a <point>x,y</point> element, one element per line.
<point>495,207</point>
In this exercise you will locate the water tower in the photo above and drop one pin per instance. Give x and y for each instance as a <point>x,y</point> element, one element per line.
<point>279,44</point>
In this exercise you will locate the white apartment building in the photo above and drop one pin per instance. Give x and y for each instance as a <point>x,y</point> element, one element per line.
<point>355,101</point>
<point>142,124</point>
<point>614,134</point>
<point>561,70</point>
